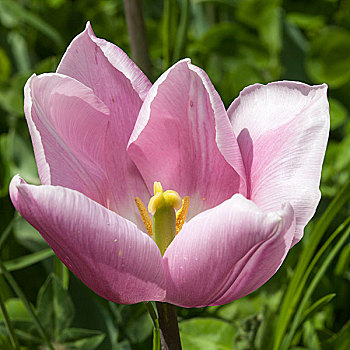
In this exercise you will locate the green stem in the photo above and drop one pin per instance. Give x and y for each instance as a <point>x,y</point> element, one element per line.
<point>181,41</point>
<point>169,31</point>
<point>26,303</point>
<point>137,35</point>
<point>8,324</point>
<point>156,333</point>
<point>62,272</point>
<point>168,326</point>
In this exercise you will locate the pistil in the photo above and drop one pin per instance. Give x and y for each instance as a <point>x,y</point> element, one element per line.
<point>166,222</point>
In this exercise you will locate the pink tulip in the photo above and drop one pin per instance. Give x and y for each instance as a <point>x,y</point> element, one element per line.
<point>102,134</point>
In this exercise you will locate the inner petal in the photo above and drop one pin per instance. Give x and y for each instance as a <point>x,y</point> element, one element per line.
<point>175,139</point>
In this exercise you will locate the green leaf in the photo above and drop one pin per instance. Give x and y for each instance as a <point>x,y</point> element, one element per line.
<point>343,262</point>
<point>206,333</point>
<point>309,22</point>
<point>54,307</point>
<point>85,339</point>
<point>5,343</point>
<point>5,66</point>
<point>19,12</point>
<point>310,337</point>
<point>28,236</point>
<point>16,310</point>
<point>329,57</point>
<point>338,113</point>
<point>265,16</point>
<point>20,51</point>
<point>263,337</point>
<point>28,260</point>
<point>341,340</point>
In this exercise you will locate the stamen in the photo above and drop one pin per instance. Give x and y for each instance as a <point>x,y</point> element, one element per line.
<point>147,221</point>
<point>182,213</point>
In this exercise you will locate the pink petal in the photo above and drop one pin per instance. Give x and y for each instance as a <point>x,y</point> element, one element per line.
<point>68,125</point>
<point>226,252</point>
<point>177,139</point>
<point>121,85</point>
<point>108,253</point>
<point>282,130</point>
<point>105,68</point>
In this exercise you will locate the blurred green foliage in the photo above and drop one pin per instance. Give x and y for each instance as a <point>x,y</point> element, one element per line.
<point>238,43</point>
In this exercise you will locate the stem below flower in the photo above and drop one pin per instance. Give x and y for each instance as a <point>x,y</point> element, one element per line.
<point>168,326</point>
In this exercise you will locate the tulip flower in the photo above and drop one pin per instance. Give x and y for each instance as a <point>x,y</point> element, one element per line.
<point>228,192</point>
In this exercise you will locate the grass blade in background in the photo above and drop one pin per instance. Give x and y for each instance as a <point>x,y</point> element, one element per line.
<point>27,304</point>
<point>28,260</point>
<point>8,324</point>
<point>314,282</point>
<point>297,283</point>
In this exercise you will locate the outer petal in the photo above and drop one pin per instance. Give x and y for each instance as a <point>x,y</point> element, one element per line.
<point>68,125</point>
<point>177,136</point>
<point>282,130</point>
<point>121,85</point>
<point>226,252</point>
<point>108,253</point>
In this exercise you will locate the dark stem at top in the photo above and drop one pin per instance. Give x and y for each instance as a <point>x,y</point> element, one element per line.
<point>168,327</point>
<point>137,35</point>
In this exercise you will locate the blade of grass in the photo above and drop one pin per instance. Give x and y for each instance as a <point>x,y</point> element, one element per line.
<point>317,305</point>
<point>320,272</point>
<point>5,234</point>
<point>27,260</point>
<point>8,324</point>
<point>26,303</point>
<point>297,283</point>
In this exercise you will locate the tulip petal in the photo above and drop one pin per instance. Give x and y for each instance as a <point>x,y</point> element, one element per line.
<point>177,136</point>
<point>68,124</point>
<point>282,130</point>
<point>226,252</point>
<point>121,85</point>
<point>107,252</point>
<point>98,64</point>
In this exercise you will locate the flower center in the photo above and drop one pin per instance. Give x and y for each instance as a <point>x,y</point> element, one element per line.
<point>169,213</point>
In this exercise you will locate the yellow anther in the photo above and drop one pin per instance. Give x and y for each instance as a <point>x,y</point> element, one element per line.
<point>144,215</point>
<point>160,199</point>
<point>182,213</point>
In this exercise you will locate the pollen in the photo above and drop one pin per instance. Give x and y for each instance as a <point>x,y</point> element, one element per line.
<point>182,213</point>
<point>144,216</point>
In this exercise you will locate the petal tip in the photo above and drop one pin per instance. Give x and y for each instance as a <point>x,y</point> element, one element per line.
<point>14,186</point>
